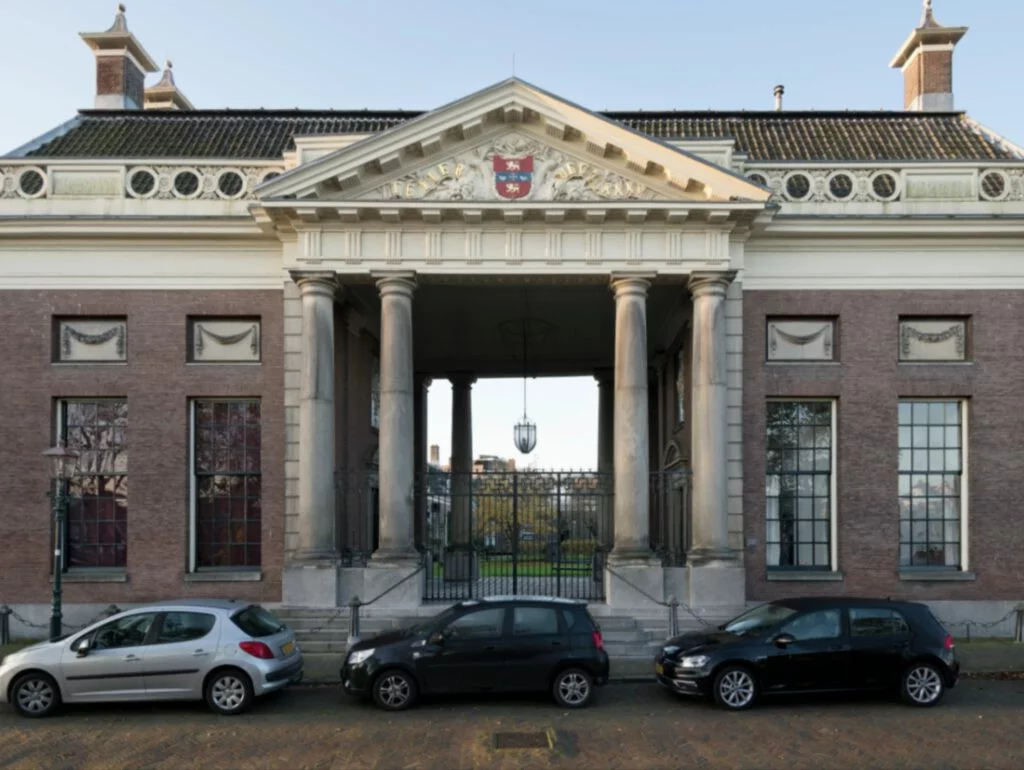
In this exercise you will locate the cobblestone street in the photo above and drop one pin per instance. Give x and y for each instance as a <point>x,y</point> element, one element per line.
<point>630,726</point>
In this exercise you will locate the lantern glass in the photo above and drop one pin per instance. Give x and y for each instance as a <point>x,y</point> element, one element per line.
<point>62,461</point>
<point>525,436</point>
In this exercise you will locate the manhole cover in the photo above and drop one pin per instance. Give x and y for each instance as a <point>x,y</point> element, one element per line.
<point>522,741</point>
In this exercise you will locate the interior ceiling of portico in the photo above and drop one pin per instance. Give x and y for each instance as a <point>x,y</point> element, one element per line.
<point>477,328</point>
<point>417,161</point>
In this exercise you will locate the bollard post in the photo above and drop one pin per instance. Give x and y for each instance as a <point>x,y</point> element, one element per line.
<point>673,617</point>
<point>1019,635</point>
<point>5,624</point>
<point>353,621</point>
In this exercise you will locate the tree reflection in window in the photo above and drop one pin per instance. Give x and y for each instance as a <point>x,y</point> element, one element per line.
<point>799,484</point>
<point>228,483</point>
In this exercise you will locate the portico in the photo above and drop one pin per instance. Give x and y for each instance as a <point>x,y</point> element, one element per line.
<point>435,235</point>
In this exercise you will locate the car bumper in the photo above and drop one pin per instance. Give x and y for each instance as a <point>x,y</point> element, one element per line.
<point>286,672</point>
<point>683,681</point>
<point>356,680</point>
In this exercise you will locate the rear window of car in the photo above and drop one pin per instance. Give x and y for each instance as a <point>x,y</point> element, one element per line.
<point>578,619</point>
<point>877,621</point>
<point>257,621</point>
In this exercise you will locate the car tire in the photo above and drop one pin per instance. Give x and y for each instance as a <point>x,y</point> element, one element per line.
<point>573,688</point>
<point>35,695</point>
<point>922,685</point>
<point>735,688</point>
<point>228,692</point>
<point>394,690</point>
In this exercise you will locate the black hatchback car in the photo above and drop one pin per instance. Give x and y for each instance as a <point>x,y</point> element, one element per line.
<point>498,644</point>
<point>815,645</point>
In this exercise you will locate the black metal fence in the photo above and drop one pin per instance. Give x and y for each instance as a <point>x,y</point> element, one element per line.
<point>516,532</point>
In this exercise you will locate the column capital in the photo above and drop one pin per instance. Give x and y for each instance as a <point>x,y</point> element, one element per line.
<point>636,284</point>
<point>461,379</point>
<point>423,380</point>
<point>395,283</point>
<point>703,284</point>
<point>315,281</point>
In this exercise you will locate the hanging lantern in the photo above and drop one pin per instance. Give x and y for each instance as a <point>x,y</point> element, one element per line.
<point>525,435</point>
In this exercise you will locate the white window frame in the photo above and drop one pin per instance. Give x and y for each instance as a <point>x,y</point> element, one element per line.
<point>832,483</point>
<point>964,479</point>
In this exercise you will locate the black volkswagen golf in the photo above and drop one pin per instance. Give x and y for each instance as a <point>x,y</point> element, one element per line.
<point>815,645</point>
<point>498,644</point>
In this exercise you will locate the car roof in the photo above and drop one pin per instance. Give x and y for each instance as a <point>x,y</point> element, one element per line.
<point>519,599</point>
<point>816,602</point>
<point>206,604</point>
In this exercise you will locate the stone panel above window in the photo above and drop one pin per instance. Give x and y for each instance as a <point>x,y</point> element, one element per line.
<point>224,340</point>
<point>933,339</point>
<point>91,340</point>
<point>801,339</point>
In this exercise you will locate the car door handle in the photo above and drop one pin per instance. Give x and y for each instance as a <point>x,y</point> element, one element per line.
<point>131,659</point>
<point>200,653</point>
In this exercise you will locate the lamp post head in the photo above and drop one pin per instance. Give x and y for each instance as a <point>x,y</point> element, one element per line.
<point>525,436</point>
<point>62,461</point>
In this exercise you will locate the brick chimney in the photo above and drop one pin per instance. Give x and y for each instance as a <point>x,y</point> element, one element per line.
<point>926,59</point>
<point>121,66</point>
<point>165,95</point>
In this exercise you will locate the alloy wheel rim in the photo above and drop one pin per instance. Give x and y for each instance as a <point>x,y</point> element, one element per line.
<point>35,695</point>
<point>574,689</point>
<point>737,689</point>
<point>228,693</point>
<point>924,684</point>
<point>394,690</point>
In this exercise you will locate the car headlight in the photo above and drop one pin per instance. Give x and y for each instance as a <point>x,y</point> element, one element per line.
<point>359,656</point>
<point>694,661</point>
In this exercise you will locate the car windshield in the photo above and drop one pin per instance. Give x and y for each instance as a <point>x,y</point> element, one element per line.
<point>257,621</point>
<point>435,622</point>
<point>758,619</point>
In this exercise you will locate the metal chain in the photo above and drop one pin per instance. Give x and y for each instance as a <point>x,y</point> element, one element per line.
<point>106,613</point>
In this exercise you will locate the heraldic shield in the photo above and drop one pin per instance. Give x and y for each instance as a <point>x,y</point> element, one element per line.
<point>513,177</point>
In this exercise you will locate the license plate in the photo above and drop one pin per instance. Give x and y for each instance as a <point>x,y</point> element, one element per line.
<point>659,669</point>
<point>287,648</point>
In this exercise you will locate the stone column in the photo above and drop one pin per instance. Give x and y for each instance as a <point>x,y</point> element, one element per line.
<point>397,430</point>
<point>605,450</point>
<point>316,520</point>
<point>631,425</point>
<point>708,420</point>
<point>420,408</point>
<point>459,562</point>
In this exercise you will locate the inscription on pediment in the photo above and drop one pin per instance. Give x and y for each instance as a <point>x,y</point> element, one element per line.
<point>513,167</point>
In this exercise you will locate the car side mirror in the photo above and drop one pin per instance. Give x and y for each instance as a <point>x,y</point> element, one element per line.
<point>82,648</point>
<point>783,640</point>
<point>436,638</point>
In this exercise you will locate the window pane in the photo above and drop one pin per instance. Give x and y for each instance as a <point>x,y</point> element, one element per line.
<point>477,625</point>
<point>185,627</point>
<point>531,621</point>
<point>932,500</point>
<point>96,531</point>
<point>799,435</point>
<point>227,445</point>
<point>823,624</point>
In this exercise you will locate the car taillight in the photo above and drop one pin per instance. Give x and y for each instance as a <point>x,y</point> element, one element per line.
<point>257,650</point>
<point>598,640</point>
<point>949,645</point>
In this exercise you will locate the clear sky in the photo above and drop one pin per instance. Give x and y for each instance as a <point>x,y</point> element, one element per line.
<point>602,54</point>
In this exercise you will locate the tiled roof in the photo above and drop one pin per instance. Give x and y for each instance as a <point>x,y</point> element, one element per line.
<point>765,136</point>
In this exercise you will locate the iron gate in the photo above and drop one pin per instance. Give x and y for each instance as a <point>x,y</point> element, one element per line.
<point>516,533</point>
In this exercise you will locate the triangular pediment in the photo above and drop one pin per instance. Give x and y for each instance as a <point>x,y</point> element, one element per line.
<point>511,143</point>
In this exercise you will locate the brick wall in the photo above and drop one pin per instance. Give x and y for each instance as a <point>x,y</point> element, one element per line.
<point>867,382</point>
<point>157,383</point>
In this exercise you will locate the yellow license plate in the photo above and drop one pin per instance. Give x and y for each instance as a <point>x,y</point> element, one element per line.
<point>287,648</point>
<point>660,669</point>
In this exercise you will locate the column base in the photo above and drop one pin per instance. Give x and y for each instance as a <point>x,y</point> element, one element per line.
<point>395,558</point>
<point>632,557</point>
<point>717,592</point>
<point>461,565</point>
<point>311,585</point>
<point>383,584</point>
<point>712,557</point>
<point>638,584</point>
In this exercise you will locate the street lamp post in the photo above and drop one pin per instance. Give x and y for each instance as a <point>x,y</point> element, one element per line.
<point>62,465</point>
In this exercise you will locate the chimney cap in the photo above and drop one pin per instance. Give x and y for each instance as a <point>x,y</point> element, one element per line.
<point>118,38</point>
<point>928,32</point>
<point>166,94</point>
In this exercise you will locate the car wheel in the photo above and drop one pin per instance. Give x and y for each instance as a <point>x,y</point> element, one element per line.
<point>394,690</point>
<point>923,685</point>
<point>229,692</point>
<point>573,688</point>
<point>35,695</point>
<point>735,688</point>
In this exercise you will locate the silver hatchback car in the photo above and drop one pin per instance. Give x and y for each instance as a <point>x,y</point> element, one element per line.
<point>227,652</point>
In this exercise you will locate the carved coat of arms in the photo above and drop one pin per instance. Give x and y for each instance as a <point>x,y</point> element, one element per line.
<point>513,177</point>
